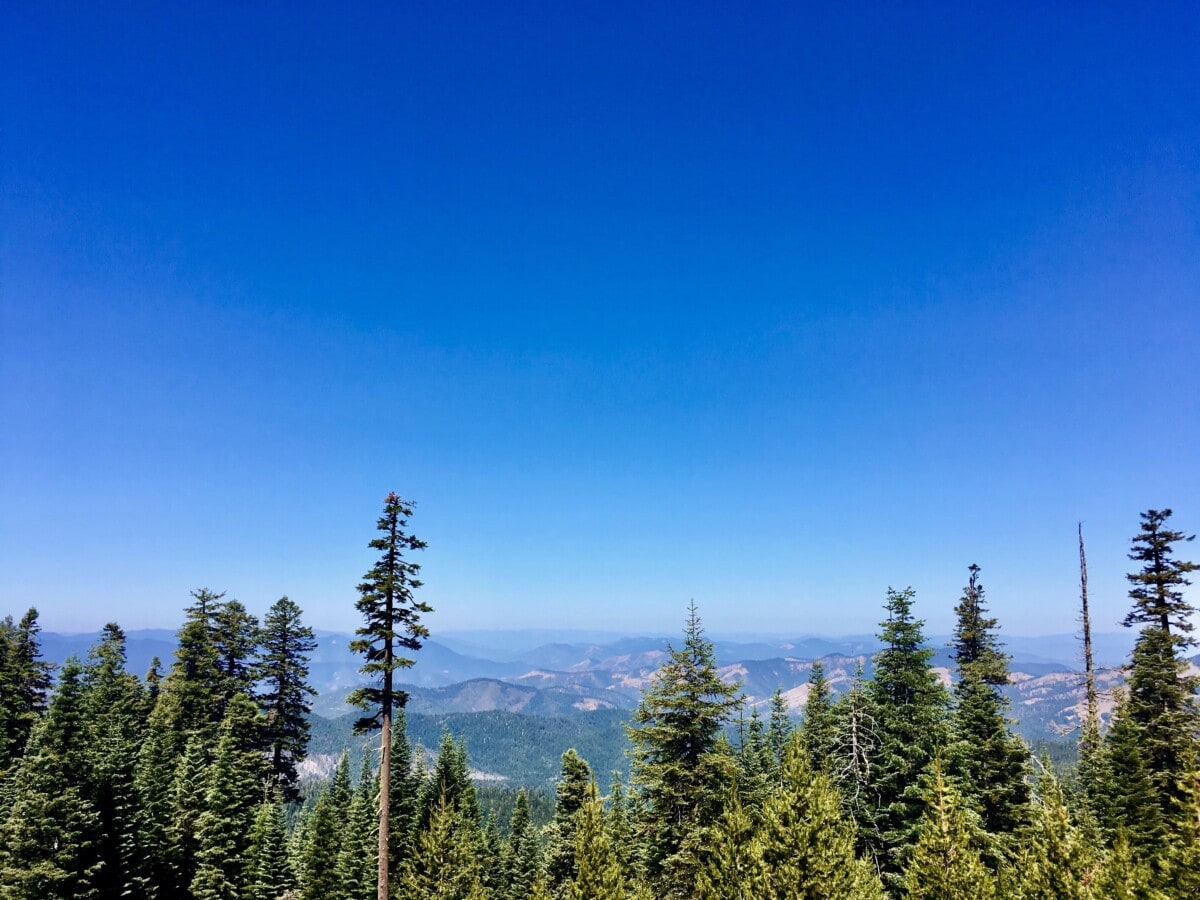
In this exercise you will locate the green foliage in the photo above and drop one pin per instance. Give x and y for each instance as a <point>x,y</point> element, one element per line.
<point>269,872</point>
<point>989,764</point>
<point>1056,861</point>
<point>681,767</point>
<point>446,862</point>
<point>47,842</point>
<point>391,613</point>
<point>597,872</point>
<point>819,726</point>
<point>945,863</point>
<point>113,708</point>
<point>233,785</point>
<point>808,845</point>
<point>282,675</point>
<point>909,709</point>
<point>573,792</point>
<point>358,868</point>
<point>1162,700</point>
<point>24,686</point>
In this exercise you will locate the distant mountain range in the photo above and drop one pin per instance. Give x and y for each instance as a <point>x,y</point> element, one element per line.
<point>506,692</point>
<point>550,672</point>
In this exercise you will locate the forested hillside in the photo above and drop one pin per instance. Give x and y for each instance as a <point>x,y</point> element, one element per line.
<point>186,782</point>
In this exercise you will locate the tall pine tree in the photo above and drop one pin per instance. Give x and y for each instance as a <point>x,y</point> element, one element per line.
<point>392,624</point>
<point>990,763</point>
<point>1162,700</point>
<point>681,766</point>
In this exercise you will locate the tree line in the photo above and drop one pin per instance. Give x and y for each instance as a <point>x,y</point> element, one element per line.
<point>186,785</point>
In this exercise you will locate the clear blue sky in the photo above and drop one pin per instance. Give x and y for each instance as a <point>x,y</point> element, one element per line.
<point>766,305</point>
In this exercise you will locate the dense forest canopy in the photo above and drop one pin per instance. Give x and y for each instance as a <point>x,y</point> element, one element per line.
<point>184,782</point>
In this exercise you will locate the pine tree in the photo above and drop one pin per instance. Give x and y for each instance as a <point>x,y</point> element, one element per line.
<point>235,636</point>
<point>732,866</point>
<point>681,766</point>
<point>357,867</point>
<point>1055,862</point>
<point>24,686</point>
<point>155,861</point>
<point>522,852</point>
<point>571,793</point>
<point>1126,875</point>
<point>269,872</point>
<point>233,787</point>
<point>1161,699</point>
<point>392,623</point>
<point>196,677</point>
<point>909,706</point>
<point>945,863</point>
<point>47,842</point>
<point>446,863</point>
<point>282,673</point>
<point>405,787</point>
<point>991,764</point>
<point>324,830</point>
<point>756,764</point>
<point>819,727</point>
<point>1124,793</point>
<point>779,730</point>
<point>449,782</point>
<point>114,704</point>
<point>808,845</point>
<point>597,874</point>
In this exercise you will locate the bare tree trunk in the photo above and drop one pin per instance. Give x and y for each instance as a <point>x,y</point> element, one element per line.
<point>385,794</point>
<point>1092,729</point>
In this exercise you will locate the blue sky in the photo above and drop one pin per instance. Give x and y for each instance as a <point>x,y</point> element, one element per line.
<point>769,306</point>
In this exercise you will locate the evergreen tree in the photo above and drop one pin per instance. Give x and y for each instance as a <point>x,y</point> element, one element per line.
<point>819,727</point>
<point>446,863</point>
<point>405,786</point>
<point>523,852</point>
<point>189,799</point>
<point>392,623</point>
<point>1126,875</point>
<point>357,867</point>
<point>681,766</point>
<point>231,799</point>
<point>945,863</point>
<point>235,636</point>
<point>155,861</point>
<point>1055,862</point>
<point>571,793</point>
<point>24,686</point>
<point>449,782</point>
<point>808,846</point>
<point>269,872</point>
<point>47,842</point>
<point>1161,699</point>
<point>196,677</point>
<point>324,830</point>
<point>282,673</point>
<point>1124,794</point>
<point>114,704</point>
<point>990,764</point>
<point>779,730</point>
<point>732,862</point>
<point>909,706</point>
<point>756,764</point>
<point>598,874</point>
